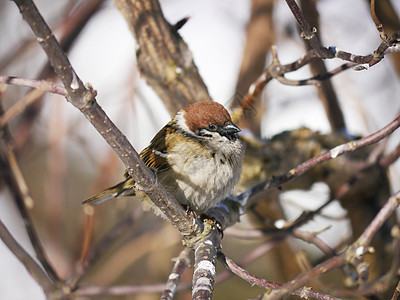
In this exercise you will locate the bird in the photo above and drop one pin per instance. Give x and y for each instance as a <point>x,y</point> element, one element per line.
<point>197,157</point>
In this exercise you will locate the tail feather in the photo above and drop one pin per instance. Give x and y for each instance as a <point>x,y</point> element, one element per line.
<point>100,198</point>
<point>123,188</point>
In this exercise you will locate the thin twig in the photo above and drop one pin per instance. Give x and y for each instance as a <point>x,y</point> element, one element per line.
<point>100,248</point>
<point>356,252</point>
<point>252,256</point>
<point>378,24</point>
<point>119,290</point>
<point>353,255</point>
<point>390,158</point>
<point>42,85</point>
<point>291,286</point>
<point>335,152</point>
<point>308,33</point>
<point>81,266</point>
<point>20,106</point>
<point>23,199</point>
<point>181,263</point>
<point>29,263</point>
<point>312,238</point>
<point>254,280</point>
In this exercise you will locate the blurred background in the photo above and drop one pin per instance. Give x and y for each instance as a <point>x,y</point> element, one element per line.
<point>64,160</point>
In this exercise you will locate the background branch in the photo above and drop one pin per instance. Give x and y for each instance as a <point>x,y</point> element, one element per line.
<point>169,70</point>
<point>83,99</point>
<point>31,266</point>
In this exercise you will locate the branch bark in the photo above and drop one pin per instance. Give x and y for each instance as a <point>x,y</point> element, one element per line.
<point>84,99</point>
<point>164,59</point>
<point>325,90</point>
<point>30,265</point>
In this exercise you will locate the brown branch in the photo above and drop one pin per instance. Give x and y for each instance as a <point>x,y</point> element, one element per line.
<point>335,152</point>
<point>331,52</point>
<point>325,90</point>
<point>308,33</point>
<point>383,283</point>
<point>378,24</point>
<point>205,254</point>
<point>19,106</point>
<point>18,187</point>
<point>353,255</point>
<point>84,99</point>
<point>252,256</point>
<point>390,158</point>
<point>360,247</point>
<point>164,59</point>
<point>29,263</point>
<point>120,290</point>
<point>181,263</point>
<point>83,267</point>
<point>390,20</point>
<point>259,39</point>
<point>42,85</point>
<point>319,159</point>
<point>301,280</point>
<point>254,280</point>
<point>312,238</point>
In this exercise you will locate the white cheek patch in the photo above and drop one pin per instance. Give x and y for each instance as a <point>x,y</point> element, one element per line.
<point>180,121</point>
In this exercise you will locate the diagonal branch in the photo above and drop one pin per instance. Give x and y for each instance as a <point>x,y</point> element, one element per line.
<point>84,99</point>
<point>18,187</point>
<point>181,263</point>
<point>353,254</point>
<point>30,265</point>
<point>304,292</point>
<point>308,33</point>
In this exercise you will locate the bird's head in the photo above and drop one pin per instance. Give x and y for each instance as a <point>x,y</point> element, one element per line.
<point>207,120</point>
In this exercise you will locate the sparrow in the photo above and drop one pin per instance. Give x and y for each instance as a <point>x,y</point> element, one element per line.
<point>197,157</point>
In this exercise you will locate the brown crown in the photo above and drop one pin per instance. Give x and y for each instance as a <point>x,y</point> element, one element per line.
<point>200,115</point>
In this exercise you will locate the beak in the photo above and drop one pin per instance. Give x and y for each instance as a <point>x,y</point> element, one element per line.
<point>231,128</point>
<point>230,131</point>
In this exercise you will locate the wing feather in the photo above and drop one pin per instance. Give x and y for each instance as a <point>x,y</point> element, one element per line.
<point>155,155</point>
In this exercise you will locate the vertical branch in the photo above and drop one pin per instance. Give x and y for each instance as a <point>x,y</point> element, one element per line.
<point>325,90</point>
<point>205,254</point>
<point>308,33</point>
<point>387,17</point>
<point>378,24</point>
<point>259,38</point>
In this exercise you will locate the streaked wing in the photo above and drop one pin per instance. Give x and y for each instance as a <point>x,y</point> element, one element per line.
<point>154,159</point>
<point>154,156</point>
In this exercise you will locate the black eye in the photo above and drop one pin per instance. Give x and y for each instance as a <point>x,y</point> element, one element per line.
<point>212,127</point>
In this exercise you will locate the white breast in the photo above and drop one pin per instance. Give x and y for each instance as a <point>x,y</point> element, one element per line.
<point>202,181</point>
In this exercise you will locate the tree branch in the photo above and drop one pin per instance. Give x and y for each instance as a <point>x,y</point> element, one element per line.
<point>181,263</point>
<point>164,59</point>
<point>30,265</point>
<point>84,99</point>
<point>205,253</point>
<point>304,292</point>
